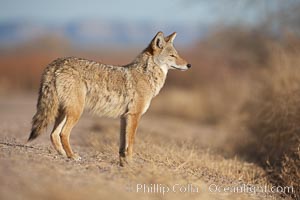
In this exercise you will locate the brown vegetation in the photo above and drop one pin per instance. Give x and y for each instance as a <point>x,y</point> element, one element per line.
<point>273,115</point>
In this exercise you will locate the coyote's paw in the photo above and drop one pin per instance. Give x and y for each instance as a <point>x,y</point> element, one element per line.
<point>61,152</point>
<point>75,157</point>
<point>125,161</point>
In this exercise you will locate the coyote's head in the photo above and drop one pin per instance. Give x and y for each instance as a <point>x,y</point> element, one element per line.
<point>165,55</point>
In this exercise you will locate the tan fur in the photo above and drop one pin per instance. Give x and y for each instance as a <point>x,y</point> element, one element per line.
<point>69,85</point>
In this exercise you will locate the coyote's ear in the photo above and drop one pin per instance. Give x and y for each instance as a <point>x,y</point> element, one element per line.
<point>158,41</point>
<point>171,37</point>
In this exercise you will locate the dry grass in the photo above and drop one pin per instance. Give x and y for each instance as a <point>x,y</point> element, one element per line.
<point>162,155</point>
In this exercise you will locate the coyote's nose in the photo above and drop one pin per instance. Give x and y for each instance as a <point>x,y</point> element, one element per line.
<point>189,65</point>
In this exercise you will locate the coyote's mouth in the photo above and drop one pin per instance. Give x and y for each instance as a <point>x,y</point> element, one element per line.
<point>178,68</point>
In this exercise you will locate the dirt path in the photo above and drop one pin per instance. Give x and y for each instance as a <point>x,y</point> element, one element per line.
<point>170,161</point>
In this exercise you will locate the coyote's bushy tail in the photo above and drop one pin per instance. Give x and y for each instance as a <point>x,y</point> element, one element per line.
<point>47,105</point>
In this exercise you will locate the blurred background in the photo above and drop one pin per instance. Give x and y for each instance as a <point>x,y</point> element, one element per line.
<point>245,79</point>
<point>218,37</point>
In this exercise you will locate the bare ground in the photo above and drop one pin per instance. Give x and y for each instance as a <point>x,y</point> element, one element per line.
<point>168,153</point>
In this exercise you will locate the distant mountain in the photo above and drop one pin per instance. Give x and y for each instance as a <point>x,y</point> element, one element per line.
<point>87,33</point>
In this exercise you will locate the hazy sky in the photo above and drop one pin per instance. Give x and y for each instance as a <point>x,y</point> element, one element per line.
<point>181,11</point>
<point>67,10</point>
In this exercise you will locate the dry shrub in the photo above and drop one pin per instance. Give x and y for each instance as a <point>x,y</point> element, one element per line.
<point>273,120</point>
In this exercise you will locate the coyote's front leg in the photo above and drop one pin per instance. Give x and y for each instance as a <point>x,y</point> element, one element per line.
<point>129,124</point>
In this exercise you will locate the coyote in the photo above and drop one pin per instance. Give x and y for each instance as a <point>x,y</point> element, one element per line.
<point>71,84</point>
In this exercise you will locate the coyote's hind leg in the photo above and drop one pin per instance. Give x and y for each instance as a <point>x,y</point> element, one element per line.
<point>72,117</point>
<point>55,135</point>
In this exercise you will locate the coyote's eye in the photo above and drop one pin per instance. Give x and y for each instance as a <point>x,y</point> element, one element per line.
<point>172,55</point>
